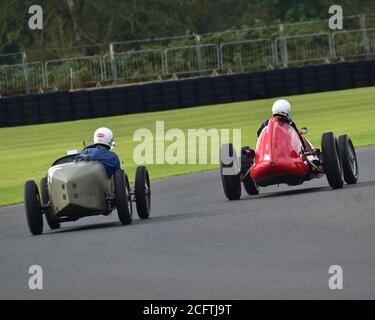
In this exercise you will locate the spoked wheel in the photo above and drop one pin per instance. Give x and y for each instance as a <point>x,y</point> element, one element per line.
<point>52,222</point>
<point>123,197</point>
<point>331,160</point>
<point>349,159</point>
<point>33,208</point>
<point>230,172</point>
<point>143,193</point>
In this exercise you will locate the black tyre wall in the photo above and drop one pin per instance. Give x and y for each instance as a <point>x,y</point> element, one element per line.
<point>200,91</point>
<point>3,113</point>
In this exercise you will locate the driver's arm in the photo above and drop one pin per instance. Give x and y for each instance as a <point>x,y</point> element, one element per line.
<point>83,156</point>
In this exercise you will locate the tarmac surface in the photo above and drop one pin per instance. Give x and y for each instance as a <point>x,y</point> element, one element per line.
<point>198,245</point>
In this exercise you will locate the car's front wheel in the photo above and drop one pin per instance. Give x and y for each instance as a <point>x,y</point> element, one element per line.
<point>230,172</point>
<point>251,188</point>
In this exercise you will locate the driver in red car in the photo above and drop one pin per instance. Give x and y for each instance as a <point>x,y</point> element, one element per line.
<point>281,109</point>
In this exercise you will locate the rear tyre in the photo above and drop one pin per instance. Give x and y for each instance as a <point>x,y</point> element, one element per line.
<point>51,221</point>
<point>331,160</point>
<point>122,196</point>
<point>230,172</point>
<point>33,208</point>
<point>349,159</point>
<point>143,193</point>
<point>251,188</point>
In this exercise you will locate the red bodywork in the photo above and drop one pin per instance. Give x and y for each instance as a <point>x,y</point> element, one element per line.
<point>278,156</point>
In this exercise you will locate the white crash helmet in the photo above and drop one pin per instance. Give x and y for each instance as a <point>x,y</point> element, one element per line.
<point>104,136</point>
<point>282,108</point>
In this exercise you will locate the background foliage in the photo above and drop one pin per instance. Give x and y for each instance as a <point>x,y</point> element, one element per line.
<point>71,23</point>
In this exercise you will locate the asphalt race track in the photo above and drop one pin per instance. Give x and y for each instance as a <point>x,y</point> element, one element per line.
<point>198,245</point>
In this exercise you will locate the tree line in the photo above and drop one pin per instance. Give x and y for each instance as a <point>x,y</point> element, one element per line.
<point>75,23</point>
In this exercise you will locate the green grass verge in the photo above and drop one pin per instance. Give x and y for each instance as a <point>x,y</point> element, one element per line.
<point>27,152</point>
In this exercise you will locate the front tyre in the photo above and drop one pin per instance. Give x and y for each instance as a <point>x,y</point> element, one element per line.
<point>331,160</point>
<point>349,159</point>
<point>143,193</point>
<point>251,188</point>
<point>122,197</point>
<point>33,208</point>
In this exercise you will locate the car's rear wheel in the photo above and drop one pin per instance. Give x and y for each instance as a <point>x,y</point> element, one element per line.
<point>52,222</point>
<point>143,193</point>
<point>122,197</point>
<point>331,160</point>
<point>251,188</point>
<point>349,159</point>
<point>230,172</point>
<point>33,208</point>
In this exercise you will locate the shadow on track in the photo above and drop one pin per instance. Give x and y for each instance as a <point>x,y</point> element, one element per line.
<point>309,190</point>
<point>86,227</point>
<point>202,214</point>
<point>290,192</point>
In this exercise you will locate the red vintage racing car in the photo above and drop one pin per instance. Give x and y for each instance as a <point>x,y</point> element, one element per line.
<point>284,156</point>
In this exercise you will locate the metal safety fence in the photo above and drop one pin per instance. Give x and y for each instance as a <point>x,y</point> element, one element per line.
<point>74,72</point>
<point>21,78</point>
<point>354,43</point>
<point>133,65</point>
<point>247,55</point>
<point>192,59</point>
<point>304,48</point>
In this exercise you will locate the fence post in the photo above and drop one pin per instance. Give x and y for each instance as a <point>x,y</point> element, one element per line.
<point>241,59</point>
<point>113,63</point>
<point>274,51</point>
<point>331,42</point>
<point>199,51</point>
<point>284,47</point>
<point>25,72</point>
<point>71,79</point>
<point>364,34</point>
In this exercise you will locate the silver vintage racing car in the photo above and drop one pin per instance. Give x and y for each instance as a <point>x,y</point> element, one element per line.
<point>75,189</point>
